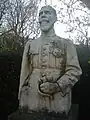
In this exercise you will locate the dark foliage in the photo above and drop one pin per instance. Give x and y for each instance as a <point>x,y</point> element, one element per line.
<point>81,91</point>
<point>9,81</point>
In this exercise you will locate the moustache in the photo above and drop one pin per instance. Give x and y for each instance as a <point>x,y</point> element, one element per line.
<point>44,19</point>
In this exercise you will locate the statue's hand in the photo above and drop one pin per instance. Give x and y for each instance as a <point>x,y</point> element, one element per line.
<point>42,80</point>
<point>49,88</point>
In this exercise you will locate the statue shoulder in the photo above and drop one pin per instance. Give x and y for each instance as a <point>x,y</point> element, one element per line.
<point>30,42</point>
<point>66,41</point>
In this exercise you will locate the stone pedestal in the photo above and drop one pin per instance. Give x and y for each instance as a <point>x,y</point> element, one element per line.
<point>24,115</point>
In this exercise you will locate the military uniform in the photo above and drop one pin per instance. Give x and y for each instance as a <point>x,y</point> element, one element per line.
<point>57,62</point>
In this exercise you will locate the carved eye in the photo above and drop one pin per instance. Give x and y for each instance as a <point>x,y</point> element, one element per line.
<point>40,13</point>
<point>47,12</point>
<point>44,12</point>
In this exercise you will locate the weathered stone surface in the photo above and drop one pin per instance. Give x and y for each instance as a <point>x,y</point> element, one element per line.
<point>49,70</point>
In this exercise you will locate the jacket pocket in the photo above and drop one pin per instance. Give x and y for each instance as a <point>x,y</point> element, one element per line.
<point>35,59</point>
<point>56,58</point>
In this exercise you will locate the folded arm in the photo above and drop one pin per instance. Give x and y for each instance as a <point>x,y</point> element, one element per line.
<point>72,70</point>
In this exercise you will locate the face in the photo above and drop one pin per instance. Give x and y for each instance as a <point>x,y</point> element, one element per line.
<point>47,18</point>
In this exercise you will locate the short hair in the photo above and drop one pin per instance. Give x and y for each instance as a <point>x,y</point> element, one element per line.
<point>51,8</point>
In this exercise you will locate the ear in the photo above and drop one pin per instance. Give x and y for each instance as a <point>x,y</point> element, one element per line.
<point>55,19</point>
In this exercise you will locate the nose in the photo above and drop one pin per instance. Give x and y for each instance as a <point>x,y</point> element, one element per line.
<point>43,14</point>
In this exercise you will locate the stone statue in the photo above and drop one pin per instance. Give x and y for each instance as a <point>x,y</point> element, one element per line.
<point>50,68</point>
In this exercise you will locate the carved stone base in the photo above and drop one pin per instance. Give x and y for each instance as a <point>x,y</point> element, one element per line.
<point>24,115</point>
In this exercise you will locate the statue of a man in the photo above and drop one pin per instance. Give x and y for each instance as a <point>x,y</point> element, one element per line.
<point>50,68</point>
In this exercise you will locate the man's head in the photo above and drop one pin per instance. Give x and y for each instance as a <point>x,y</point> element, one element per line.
<point>47,18</point>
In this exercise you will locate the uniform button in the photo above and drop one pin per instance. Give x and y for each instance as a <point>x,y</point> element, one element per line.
<point>43,60</point>
<point>44,54</point>
<point>43,66</point>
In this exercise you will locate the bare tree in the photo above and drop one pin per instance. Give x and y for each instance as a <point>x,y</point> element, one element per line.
<point>22,18</point>
<point>20,22</point>
<point>3,9</point>
<point>76,16</point>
